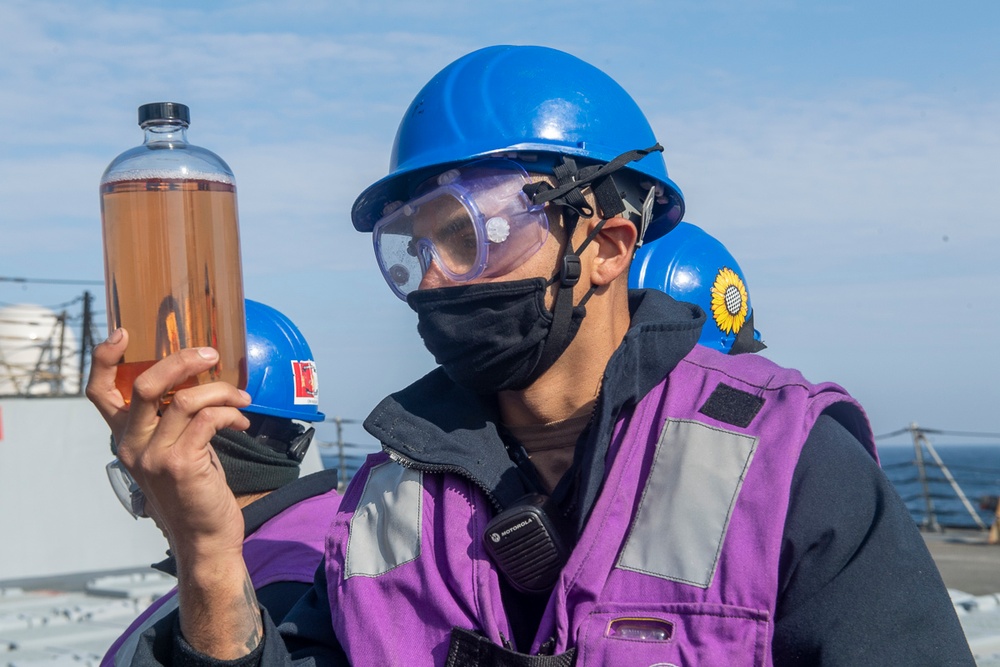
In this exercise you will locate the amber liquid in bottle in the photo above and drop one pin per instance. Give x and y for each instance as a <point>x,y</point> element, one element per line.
<point>173,274</point>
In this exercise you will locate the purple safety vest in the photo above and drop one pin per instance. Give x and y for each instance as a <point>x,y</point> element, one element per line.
<point>677,564</point>
<point>286,547</point>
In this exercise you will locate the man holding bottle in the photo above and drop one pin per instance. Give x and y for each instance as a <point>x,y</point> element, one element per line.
<point>712,509</point>
<point>285,515</point>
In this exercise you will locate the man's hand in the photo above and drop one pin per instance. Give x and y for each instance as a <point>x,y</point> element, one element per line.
<point>166,449</point>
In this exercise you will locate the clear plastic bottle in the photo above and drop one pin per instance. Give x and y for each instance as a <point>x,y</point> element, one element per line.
<point>172,263</point>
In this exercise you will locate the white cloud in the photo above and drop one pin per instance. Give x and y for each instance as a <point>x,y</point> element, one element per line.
<point>873,178</point>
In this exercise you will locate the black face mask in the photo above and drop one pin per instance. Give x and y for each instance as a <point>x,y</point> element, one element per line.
<point>490,337</point>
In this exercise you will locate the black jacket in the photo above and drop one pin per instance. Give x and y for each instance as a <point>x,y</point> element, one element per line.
<point>857,584</point>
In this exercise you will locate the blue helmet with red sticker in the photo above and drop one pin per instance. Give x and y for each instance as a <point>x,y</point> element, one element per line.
<point>282,380</point>
<point>691,265</point>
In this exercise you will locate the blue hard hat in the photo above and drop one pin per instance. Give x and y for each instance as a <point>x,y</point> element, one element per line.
<point>691,265</point>
<point>282,378</point>
<point>528,102</point>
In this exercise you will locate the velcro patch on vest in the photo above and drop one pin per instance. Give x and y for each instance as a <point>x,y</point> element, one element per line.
<point>732,406</point>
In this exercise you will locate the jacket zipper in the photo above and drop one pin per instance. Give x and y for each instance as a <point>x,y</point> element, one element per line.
<point>439,468</point>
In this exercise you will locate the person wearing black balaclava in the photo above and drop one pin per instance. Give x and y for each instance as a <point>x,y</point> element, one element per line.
<point>578,482</point>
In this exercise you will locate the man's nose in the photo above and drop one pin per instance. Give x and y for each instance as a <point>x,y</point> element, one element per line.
<point>433,277</point>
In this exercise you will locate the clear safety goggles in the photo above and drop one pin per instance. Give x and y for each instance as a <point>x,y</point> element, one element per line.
<point>127,489</point>
<point>472,221</point>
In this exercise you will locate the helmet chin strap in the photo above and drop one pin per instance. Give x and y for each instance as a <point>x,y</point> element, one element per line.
<point>568,193</point>
<point>562,307</point>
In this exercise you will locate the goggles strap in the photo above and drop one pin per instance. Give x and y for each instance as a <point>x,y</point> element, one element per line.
<point>573,199</point>
<point>571,181</point>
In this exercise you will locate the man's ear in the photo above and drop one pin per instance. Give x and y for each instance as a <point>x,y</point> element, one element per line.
<point>615,245</point>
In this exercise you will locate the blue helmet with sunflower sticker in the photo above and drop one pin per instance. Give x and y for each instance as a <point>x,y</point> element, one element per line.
<point>691,265</point>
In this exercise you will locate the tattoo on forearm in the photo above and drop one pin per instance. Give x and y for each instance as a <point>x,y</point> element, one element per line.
<point>256,630</point>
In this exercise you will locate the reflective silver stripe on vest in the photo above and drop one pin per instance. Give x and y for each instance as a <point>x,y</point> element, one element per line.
<point>684,512</point>
<point>385,528</point>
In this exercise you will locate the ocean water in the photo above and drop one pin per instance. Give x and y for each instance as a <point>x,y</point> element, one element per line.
<point>354,456</point>
<point>974,467</point>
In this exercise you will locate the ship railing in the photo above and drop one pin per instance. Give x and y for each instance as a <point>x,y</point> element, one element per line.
<point>940,500</point>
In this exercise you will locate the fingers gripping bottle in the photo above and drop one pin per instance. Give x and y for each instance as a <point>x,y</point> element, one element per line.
<point>172,264</point>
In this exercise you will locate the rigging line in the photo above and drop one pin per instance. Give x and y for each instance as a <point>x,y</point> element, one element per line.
<point>66,304</point>
<point>971,434</point>
<point>50,281</point>
<point>59,306</point>
<point>934,431</point>
<point>893,433</point>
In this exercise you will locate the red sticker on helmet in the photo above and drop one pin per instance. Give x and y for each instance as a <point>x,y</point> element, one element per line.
<point>306,383</point>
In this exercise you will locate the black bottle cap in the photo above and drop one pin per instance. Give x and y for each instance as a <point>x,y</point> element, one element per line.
<point>168,111</point>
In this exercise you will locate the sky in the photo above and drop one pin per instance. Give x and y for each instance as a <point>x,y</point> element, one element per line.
<point>846,153</point>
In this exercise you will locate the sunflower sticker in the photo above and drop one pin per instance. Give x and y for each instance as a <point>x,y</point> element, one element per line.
<point>729,301</point>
